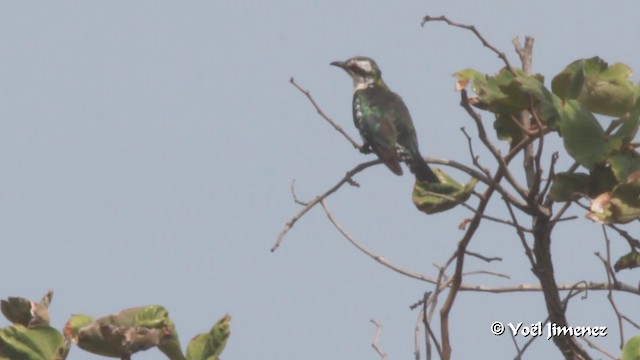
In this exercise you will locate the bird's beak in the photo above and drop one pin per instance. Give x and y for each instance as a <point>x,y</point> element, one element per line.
<point>340,64</point>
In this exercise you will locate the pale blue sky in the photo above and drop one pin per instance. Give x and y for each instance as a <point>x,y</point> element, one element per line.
<point>147,149</point>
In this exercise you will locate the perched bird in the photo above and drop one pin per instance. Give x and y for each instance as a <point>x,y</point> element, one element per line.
<point>383,119</point>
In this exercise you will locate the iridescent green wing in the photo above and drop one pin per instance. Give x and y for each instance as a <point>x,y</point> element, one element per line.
<point>375,121</point>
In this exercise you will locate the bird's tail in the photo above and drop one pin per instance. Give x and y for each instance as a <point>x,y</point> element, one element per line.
<point>422,171</point>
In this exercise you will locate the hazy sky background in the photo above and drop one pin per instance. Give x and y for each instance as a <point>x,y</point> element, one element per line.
<point>148,148</point>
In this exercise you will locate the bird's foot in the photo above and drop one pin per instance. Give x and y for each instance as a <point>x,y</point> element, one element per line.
<point>366,148</point>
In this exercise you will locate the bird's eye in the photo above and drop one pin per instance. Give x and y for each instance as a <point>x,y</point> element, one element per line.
<point>357,69</point>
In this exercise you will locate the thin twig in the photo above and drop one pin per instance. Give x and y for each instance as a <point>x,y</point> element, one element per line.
<point>551,176</point>
<point>456,165</point>
<point>345,180</point>
<point>611,278</point>
<point>482,257</point>
<point>487,272</point>
<point>598,348</point>
<point>475,211</point>
<point>325,116</point>
<point>634,244</point>
<point>531,166</point>
<point>295,197</point>
<point>524,53</point>
<point>472,28</point>
<point>506,194</point>
<point>375,344</point>
<point>534,187</point>
<point>635,324</point>
<point>376,257</point>
<point>523,240</point>
<point>562,210</point>
<point>427,326</point>
<point>519,351</point>
<point>416,338</point>
<point>484,138</point>
<point>475,159</point>
<point>592,286</point>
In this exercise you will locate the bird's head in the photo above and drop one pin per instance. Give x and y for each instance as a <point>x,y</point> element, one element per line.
<point>363,70</point>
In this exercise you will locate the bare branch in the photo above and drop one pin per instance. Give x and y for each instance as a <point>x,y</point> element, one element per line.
<point>427,326</point>
<point>574,290</point>
<point>325,116</point>
<point>457,277</point>
<point>482,135</point>
<point>531,166</point>
<point>551,176</point>
<point>634,244</point>
<point>525,53</point>
<point>487,272</point>
<point>474,158</point>
<point>519,351</point>
<point>375,257</point>
<point>440,284</point>
<point>598,348</point>
<point>562,210</point>
<point>482,257</point>
<point>635,324</point>
<point>473,210</point>
<point>345,180</point>
<point>534,186</point>
<point>375,344</point>
<point>506,194</point>
<point>416,339</point>
<point>295,197</point>
<point>456,165</point>
<point>473,29</point>
<point>611,278</point>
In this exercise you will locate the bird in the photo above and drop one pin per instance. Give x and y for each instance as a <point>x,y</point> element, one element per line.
<point>383,120</point>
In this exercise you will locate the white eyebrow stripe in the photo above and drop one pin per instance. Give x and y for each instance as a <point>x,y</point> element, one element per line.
<point>364,65</point>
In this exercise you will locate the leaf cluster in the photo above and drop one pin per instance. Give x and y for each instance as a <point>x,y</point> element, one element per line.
<point>118,335</point>
<point>587,93</point>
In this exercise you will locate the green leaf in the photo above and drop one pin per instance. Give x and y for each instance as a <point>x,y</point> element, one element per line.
<point>631,350</point>
<point>209,346</point>
<point>548,106</point>
<point>623,165</point>
<point>501,95</point>
<point>467,76</point>
<point>565,83</point>
<point>506,95</point>
<point>627,131</point>
<point>83,331</point>
<point>507,129</point>
<point>584,139</point>
<point>604,90</point>
<point>125,333</point>
<point>490,91</point>
<point>152,317</point>
<point>567,185</point>
<point>41,343</point>
<point>577,82</point>
<point>629,261</point>
<point>625,202</point>
<point>620,206</point>
<point>433,198</point>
